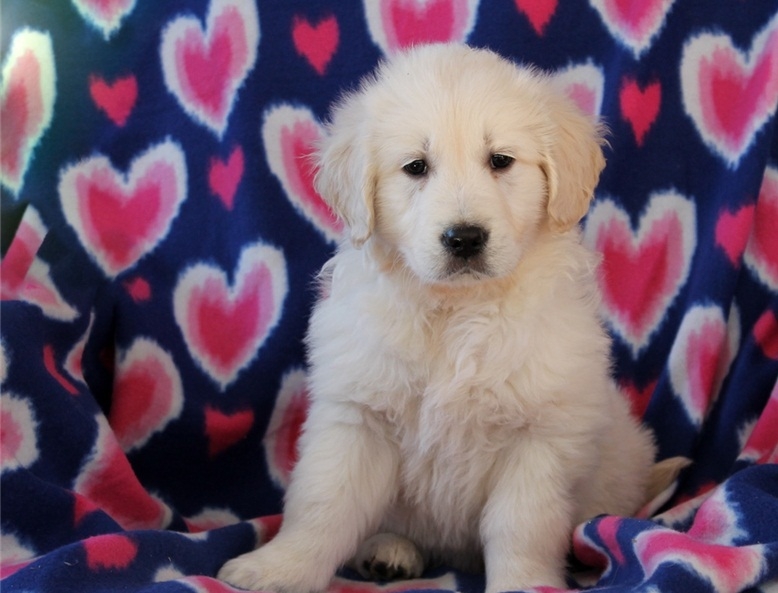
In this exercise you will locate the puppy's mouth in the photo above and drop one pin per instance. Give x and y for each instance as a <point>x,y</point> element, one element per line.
<point>471,269</point>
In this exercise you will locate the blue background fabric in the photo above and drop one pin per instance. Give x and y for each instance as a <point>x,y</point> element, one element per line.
<point>161,236</point>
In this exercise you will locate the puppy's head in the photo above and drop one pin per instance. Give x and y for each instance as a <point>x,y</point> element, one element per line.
<point>455,160</point>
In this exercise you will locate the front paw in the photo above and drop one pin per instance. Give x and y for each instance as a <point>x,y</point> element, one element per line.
<point>274,568</point>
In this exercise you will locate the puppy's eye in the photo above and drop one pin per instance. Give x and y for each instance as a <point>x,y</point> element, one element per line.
<point>500,161</point>
<point>416,168</point>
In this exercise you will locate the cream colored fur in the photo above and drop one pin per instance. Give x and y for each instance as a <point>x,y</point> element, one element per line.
<point>464,406</point>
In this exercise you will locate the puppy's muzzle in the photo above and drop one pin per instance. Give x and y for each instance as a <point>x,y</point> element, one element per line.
<point>465,241</point>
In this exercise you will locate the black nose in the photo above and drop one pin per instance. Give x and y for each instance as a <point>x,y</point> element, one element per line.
<point>465,240</point>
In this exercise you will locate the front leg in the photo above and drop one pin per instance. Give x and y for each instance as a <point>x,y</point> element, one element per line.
<point>339,491</point>
<point>528,519</point>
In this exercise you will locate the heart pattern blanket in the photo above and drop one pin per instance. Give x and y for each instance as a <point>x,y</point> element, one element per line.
<point>160,234</point>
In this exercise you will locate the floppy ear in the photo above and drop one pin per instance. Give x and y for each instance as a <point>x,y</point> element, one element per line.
<point>572,164</point>
<point>346,178</point>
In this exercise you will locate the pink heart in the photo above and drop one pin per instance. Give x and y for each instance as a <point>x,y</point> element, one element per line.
<point>539,12</point>
<point>716,521</point>
<point>18,433</point>
<point>147,394</point>
<point>286,425</point>
<point>316,43</point>
<point>398,24</point>
<point>732,232</point>
<point>117,99</point>
<point>26,277</point>
<point>699,359</point>
<point>205,69</point>
<point>727,568</point>
<point>224,326</point>
<point>634,24</point>
<point>766,335</point>
<point>120,218</point>
<point>224,430</point>
<point>39,289</point>
<point>762,443</point>
<point>224,178</point>
<point>583,84</point>
<point>138,288</point>
<point>26,102</point>
<point>761,254</point>
<point>109,481</point>
<point>111,551</point>
<point>730,95</point>
<point>104,15</point>
<point>19,257</point>
<point>290,135</point>
<point>642,271</point>
<point>640,106</point>
<point>639,398</point>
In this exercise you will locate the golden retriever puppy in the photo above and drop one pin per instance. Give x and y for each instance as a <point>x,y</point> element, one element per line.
<point>462,409</point>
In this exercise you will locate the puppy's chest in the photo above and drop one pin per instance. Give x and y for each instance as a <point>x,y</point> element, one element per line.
<point>465,370</point>
<point>462,401</point>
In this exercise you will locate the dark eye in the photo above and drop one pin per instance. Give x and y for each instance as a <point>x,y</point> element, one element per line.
<point>500,161</point>
<point>416,168</point>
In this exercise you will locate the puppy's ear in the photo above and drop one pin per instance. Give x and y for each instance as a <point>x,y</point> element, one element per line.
<point>572,163</point>
<point>346,178</point>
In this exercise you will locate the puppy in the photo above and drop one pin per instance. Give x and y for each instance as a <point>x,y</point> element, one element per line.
<point>462,409</point>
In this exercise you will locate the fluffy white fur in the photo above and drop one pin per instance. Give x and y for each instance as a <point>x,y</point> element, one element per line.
<point>462,405</point>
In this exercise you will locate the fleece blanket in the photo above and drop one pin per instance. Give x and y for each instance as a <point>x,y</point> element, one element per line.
<point>161,233</point>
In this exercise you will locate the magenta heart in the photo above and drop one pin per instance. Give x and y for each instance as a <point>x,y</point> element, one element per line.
<point>120,218</point>
<point>205,68</point>
<point>639,398</point>
<point>290,135</point>
<point>224,177</point>
<point>733,230</point>
<point>111,551</point>
<point>316,43</point>
<point>116,99</point>
<point>26,102</point>
<point>224,325</point>
<point>147,394</point>
<point>642,271</point>
<point>398,24</point>
<point>224,430</point>
<point>640,106</point>
<point>761,254</point>
<point>728,94</point>
<point>539,12</point>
